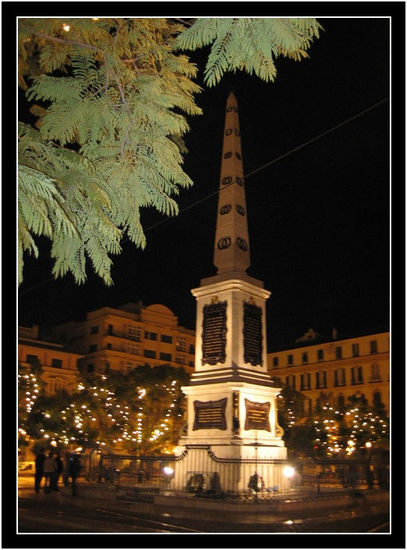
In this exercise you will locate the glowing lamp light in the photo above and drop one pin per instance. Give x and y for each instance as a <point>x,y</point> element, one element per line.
<point>368,444</point>
<point>66,27</point>
<point>288,471</point>
<point>168,471</point>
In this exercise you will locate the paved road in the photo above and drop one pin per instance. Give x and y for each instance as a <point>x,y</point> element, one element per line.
<point>62,513</point>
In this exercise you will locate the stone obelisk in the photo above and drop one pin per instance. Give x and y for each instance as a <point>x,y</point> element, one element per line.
<point>232,427</point>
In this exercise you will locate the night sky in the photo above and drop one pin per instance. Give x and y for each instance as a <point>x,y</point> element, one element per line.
<point>318,217</point>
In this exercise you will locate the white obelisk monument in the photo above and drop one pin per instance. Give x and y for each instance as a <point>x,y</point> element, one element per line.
<point>232,430</point>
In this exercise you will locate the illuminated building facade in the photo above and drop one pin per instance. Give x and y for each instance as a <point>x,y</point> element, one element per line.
<point>331,371</point>
<point>59,366</point>
<point>129,336</point>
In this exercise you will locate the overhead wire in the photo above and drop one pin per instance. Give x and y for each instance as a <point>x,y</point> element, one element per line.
<point>249,174</point>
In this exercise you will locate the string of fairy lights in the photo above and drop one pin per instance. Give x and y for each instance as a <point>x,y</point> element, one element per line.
<point>342,432</point>
<point>96,414</point>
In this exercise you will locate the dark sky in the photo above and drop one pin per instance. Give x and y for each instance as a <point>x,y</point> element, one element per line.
<point>318,218</point>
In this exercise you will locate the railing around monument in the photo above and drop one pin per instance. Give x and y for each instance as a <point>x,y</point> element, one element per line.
<point>153,474</point>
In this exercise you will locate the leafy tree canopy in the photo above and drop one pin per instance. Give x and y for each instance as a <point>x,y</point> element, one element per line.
<point>111,97</point>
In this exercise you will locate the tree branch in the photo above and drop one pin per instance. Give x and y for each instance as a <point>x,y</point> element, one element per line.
<point>67,41</point>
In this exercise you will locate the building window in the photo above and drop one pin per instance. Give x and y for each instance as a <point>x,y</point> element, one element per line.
<point>32,359</point>
<point>192,349</point>
<point>357,375</point>
<point>355,350</point>
<point>306,407</point>
<point>305,381</point>
<point>340,402</point>
<point>320,355</point>
<point>166,339</point>
<point>149,353</point>
<point>305,357</point>
<point>109,346</point>
<point>373,346</point>
<point>339,377</point>
<point>290,360</point>
<point>181,344</point>
<point>290,381</point>
<point>165,356</point>
<point>375,373</point>
<point>93,348</point>
<point>180,359</point>
<point>134,333</point>
<point>275,361</point>
<point>94,330</point>
<point>51,386</point>
<point>134,350</point>
<point>377,398</point>
<point>338,352</point>
<point>321,379</point>
<point>110,330</point>
<point>90,368</point>
<point>150,335</point>
<point>57,363</point>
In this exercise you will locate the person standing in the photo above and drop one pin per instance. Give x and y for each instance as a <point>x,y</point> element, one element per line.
<point>39,469</point>
<point>60,467</point>
<point>74,471</point>
<point>50,470</point>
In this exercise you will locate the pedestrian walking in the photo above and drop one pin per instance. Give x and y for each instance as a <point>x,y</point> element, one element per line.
<point>50,470</point>
<point>59,470</point>
<point>74,471</point>
<point>39,469</point>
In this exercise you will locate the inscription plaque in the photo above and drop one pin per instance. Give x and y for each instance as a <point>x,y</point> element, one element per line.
<point>210,414</point>
<point>252,334</point>
<point>214,333</point>
<point>257,415</point>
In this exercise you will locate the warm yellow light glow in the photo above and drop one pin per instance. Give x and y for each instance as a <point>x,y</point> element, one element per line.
<point>288,471</point>
<point>66,27</point>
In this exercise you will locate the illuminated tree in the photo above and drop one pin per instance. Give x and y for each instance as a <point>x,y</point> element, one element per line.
<point>111,96</point>
<point>30,388</point>
<point>140,411</point>
<point>332,431</point>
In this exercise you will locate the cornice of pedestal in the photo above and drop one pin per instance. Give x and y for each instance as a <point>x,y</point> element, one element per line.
<point>247,284</point>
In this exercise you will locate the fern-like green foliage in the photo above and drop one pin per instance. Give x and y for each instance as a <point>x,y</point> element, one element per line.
<point>249,44</point>
<point>111,96</point>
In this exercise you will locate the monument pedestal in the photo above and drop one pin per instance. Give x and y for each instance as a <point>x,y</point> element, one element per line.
<point>230,438</point>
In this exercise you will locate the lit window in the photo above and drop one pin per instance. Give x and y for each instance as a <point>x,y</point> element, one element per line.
<point>134,333</point>
<point>181,344</point>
